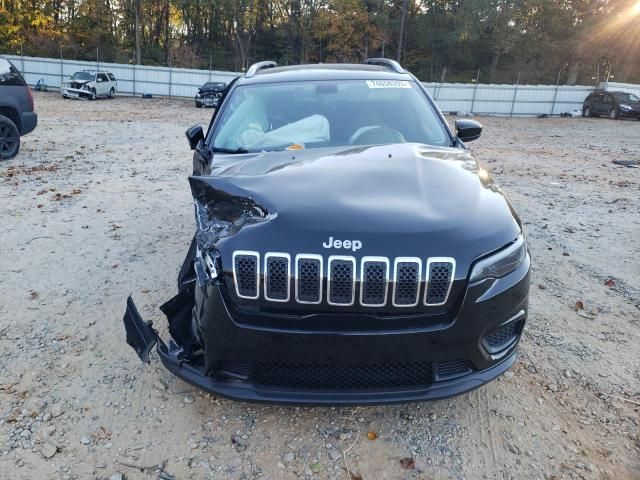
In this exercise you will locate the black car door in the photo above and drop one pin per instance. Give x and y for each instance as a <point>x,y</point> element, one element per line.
<point>609,103</point>
<point>597,103</point>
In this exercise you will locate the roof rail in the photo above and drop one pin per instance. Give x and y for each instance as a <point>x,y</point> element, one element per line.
<point>253,69</point>
<point>385,62</point>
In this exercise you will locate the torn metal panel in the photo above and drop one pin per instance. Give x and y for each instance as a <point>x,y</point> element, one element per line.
<point>222,210</point>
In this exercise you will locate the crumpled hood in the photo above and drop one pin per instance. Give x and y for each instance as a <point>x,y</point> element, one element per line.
<point>211,89</point>
<point>396,200</point>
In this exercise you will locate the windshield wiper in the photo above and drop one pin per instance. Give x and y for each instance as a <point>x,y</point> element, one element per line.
<point>229,150</point>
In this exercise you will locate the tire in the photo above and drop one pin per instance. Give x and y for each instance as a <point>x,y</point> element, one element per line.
<point>9,139</point>
<point>613,114</point>
<point>586,112</point>
<point>112,93</point>
<point>198,105</point>
<point>94,95</point>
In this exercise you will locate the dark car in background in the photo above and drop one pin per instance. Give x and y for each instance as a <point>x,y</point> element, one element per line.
<point>612,104</point>
<point>17,117</point>
<point>209,94</point>
<point>348,248</point>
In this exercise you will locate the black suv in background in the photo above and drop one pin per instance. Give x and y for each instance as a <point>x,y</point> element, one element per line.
<point>17,117</point>
<point>209,94</point>
<point>612,104</point>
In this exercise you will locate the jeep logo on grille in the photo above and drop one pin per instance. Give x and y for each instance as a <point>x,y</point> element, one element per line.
<point>354,245</point>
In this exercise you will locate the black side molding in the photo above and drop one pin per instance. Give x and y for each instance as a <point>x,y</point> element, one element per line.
<point>140,335</point>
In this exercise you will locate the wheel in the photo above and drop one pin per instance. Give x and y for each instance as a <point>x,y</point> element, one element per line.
<point>198,105</point>
<point>112,93</point>
<point>586,112</point>
<point>613,114</point>
<point>9,139</point>
<point>94,95</point>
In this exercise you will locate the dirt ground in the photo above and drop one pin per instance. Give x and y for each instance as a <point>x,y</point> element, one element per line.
<point>97,206</point>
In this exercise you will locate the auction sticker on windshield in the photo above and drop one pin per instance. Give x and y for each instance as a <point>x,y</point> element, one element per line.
<point>388,84</point>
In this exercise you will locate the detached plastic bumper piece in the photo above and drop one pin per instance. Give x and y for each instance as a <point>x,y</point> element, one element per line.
<point>140,335</point>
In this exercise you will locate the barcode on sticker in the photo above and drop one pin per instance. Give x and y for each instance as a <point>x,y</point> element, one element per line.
<point>388,84</point>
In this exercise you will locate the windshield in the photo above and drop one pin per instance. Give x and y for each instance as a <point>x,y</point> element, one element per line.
<point>627,97</point>
<point>82,76</point>
<point>302,115</point>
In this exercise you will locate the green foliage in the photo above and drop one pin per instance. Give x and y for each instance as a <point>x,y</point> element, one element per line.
<point>536,40</point>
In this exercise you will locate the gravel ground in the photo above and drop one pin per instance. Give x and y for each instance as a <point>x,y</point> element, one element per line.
<point>97,206</point>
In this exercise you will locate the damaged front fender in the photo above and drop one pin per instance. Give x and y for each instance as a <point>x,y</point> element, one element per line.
<point>222,209</point>
<point>142,337</point>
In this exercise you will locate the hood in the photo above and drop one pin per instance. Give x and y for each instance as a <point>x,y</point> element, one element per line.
<point>81,82</point>
<point>394,200</point>
<point>211,89</point>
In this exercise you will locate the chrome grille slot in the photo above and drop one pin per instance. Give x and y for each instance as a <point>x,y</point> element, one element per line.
<point>341,281</point>
<point>406,281</point>
<point>246,272</point>
<point>374,281</point>
<point>277,271</point>
<point>308,278</point>
<point>440,272</point>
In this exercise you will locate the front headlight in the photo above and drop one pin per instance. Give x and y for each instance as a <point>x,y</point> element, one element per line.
<point>198,95</point>
<point>502,263</point>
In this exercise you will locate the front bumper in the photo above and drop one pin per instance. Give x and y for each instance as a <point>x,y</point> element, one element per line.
<point>242,390</point>
<point>630,113</point>
<point>236,357</point>
<point>75,92</point>
<point>207,101</point>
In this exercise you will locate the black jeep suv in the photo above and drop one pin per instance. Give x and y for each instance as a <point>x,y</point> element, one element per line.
<point>612,104</point>
<point>16,109</point>
<point>348,250</point>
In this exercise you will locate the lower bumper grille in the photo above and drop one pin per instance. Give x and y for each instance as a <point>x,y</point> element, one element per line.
<point>342,377</point>
<point>452,369</point>
<point>502,337</point>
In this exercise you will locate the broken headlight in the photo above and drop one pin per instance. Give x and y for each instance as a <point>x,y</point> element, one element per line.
<point>500,264</point>
<point>207,266</point>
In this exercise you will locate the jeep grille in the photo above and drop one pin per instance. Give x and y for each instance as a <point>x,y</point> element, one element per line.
<point>371,282</point>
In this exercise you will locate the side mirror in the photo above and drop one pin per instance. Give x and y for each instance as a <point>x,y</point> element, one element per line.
<point>194,136</point>
<point>468,130</point>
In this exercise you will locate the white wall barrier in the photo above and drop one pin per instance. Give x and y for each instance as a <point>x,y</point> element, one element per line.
<point>479,99</point>
<point>132,79</point>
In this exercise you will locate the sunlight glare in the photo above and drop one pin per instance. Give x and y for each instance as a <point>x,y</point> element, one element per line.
<point>635,10</point>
